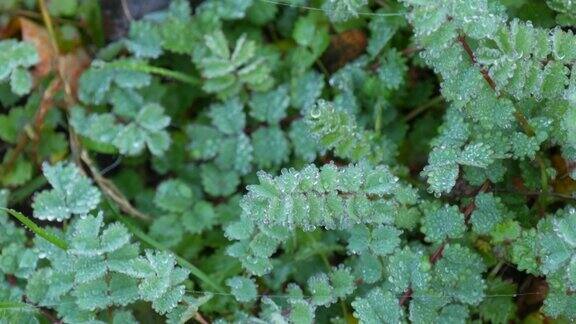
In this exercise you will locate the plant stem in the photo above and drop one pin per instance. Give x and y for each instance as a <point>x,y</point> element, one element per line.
<point>142,67</point>
<point>111,190</point>
<point>429,104</point>
<point>49,26</point>
<point>520,118</point>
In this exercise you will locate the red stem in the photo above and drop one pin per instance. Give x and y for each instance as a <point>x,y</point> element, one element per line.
<point>468,50</point>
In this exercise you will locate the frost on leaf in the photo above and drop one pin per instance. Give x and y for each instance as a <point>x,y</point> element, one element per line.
<point>148,129</point>
<point>228,117</point>
<point>320,289</point>
<point>15,58</point>
<point>293,200</point>
<point>378,306</point>
<point>163,285</point>
<point>381,240</point>
<point>557,240</point>
<point>342,281</point>
<point>270,106</point>
<point>72,193</point>
<point>392,69</point>
<point>102,268</point>
<point>301,312</point>
<point>444,222</point>
<point>479,155</point>
<point>337,129</point>
<point>243,288</point>
<point>488,212</point>
<point>174,196</point>
<point>102,82</point>
<point>101,128</point>
<point>442,169</point>
<point>227,71</point>
<point>407,268</point>
<point>342,10</point>
<point>458,275</point>
<point>271,148</point>
<point>305,89</point>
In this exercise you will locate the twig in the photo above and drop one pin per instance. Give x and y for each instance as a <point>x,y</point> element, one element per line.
<point>406,297</point>
<point>520,118</point>
<point>437,255</point>
<point>126,10</point>
<point>416,112</point>
<point>110,189</point>
<point>198,317</point>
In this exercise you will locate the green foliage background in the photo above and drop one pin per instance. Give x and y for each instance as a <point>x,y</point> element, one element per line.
<point>293,161</point>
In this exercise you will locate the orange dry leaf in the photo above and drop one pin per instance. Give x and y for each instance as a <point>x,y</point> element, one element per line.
<point>37,35</point>
<point>70,65</point>
<point>344,47</point>
<point>563,183</point>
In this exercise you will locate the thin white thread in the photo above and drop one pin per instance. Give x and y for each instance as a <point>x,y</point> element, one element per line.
<point>397,295</point>
<point>320,9</point>
<point>112,166</point>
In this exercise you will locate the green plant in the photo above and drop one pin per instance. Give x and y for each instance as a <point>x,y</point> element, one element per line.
<point>256,161</point>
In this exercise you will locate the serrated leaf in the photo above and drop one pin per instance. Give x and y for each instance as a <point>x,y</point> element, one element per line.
<point>174,195</point>
<point>441,223</point>
<point>218,182</point>
<point>20,81</point>
<point>270,147</point>
<point>478,155</point>
<point>243,288</point>
<point>270,106</point>
<point>377,306</point>
<point>144,39</point>
<point>228,117</point>
<point>72,194</point>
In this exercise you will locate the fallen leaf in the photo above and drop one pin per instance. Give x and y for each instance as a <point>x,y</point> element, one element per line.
<point>10,29</point>
<point>38,35</point>
<point>563,183</point>
<point>70,66</point>
<point>344,47</point>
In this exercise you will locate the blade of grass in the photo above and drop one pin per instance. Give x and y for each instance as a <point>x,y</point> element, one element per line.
<point>142,67</point>
<point>47,235</point>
